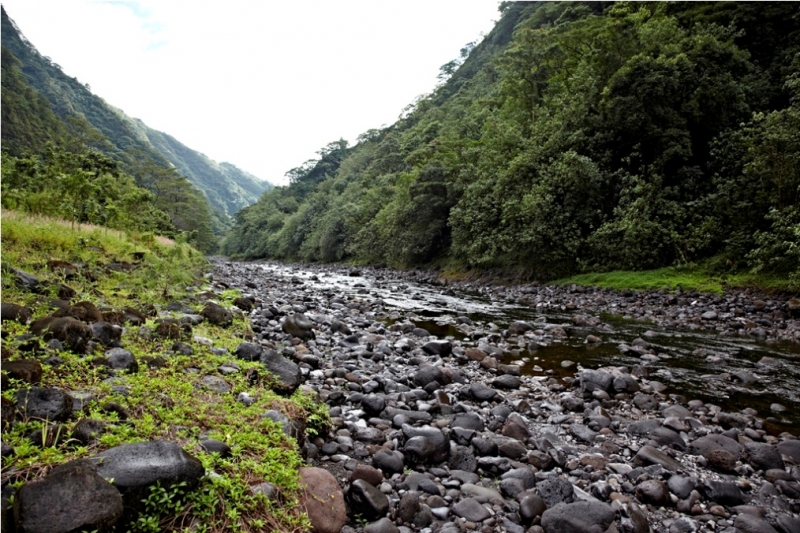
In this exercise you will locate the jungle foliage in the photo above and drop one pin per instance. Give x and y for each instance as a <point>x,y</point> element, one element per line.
<point>575,137</point>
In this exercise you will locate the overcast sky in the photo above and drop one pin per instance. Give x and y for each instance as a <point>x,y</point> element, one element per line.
<point>261,84</point>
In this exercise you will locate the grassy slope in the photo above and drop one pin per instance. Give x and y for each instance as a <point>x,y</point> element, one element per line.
<point>163,403</point>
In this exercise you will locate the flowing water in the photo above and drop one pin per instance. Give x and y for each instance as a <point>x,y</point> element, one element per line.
<point>691,363</point>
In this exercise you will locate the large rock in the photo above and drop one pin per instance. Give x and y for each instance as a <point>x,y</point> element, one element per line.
<point>555,490</point>
<point>122,359</point>
<point>249,351</point>
<point>580,517</point>
<point>287,372</point>
<point>763,456</point>
<point>217,315</point>
<point>46,404</point>
<point>470,509</point>
<point>26,370</point>
<point>83,311</point>
<point>746,523</point>
<point>427,375</point>
<point>439,443</point>
<point>367,500</point>
<point>135,467</point>
<point>15,312</point>
<point>72,498</point>
<point>298,325</point>
<point>323,500</point>
<point>706,445</point>
<point>69,331</point>
<point>790,448</point>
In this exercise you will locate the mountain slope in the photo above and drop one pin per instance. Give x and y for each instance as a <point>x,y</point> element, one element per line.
<point>577,136</point>
<point>227,188</point>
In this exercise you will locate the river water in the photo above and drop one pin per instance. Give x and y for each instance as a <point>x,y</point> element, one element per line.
<point>691,363</point>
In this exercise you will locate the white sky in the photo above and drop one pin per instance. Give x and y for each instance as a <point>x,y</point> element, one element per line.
<point>261,84</point>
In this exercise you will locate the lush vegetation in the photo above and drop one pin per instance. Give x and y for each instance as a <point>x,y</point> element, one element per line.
<point>44,111</point>
<point>163,401</point>
<point>576,137</point>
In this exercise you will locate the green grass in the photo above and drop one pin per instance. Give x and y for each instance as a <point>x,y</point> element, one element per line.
<point>688,278</point>
<point>167,403</point>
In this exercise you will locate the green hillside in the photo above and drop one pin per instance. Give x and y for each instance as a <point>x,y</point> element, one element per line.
<point>43,104</point>
<point>575,137</point>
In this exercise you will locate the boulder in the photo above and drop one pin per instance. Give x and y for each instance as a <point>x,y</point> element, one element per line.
<point>135,467</point>
<point>48,404</point>
<point>249,351</point>
<point>26,370</point>
<point>323,500</point>
<point>217,315</point>
<point>471,509</point>
<point>73,497</point>
<point>15,312</point>
<point>580,517</point>
<point>367,499</point>
<point>69,331</point>
<point>298,325</point>
<point>285,371</point>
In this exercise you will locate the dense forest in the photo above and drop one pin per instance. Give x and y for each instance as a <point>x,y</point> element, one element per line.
<point>574,137</point>
<point>67,153</point>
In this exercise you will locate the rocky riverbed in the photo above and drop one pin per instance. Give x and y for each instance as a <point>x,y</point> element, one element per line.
<point>449,415</point>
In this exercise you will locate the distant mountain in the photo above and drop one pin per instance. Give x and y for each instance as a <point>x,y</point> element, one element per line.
<point>121,137</point>
<point>227,187</point>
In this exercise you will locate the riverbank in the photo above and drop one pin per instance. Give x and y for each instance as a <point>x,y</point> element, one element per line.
<point>449,432</point>
<point>419,406</point>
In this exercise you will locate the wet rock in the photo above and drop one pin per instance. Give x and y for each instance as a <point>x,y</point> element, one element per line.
<point>440,348</point>
<point>369,501</point>
<point>215,384</point>
<point>323,500</point>
<point>216,446</point>
<point>531,507</point>
<point>428,374</point>
<point>72,498</point>
<point>467,421</point>
<point>507,381</point>
<point>790,448</point>
<point>580,517</point>
<point>463,459</point>
<point>583,433</point>
<point>370,474</point>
